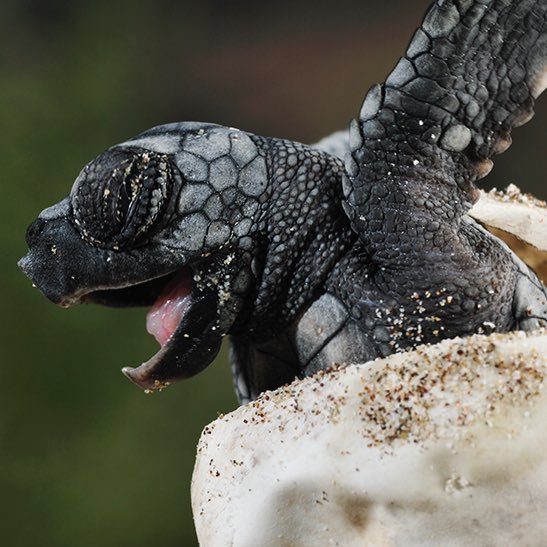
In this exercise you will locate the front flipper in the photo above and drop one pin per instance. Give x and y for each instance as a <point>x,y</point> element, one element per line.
<point>470,74</point>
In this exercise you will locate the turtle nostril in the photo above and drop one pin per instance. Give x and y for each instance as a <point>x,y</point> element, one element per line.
<point>34,231</point>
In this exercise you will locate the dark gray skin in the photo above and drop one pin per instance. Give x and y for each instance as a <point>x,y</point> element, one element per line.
<point>301,260</point>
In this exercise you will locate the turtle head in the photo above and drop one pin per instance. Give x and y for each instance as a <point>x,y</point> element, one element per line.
<point>166,220</point>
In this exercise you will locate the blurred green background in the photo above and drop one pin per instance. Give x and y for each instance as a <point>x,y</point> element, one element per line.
<point>85,457</point>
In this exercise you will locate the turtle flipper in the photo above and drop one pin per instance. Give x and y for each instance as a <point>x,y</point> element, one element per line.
<point>470,74</point>
<point>424,137</point>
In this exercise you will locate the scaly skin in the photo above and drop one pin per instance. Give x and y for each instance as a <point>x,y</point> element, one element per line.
<point>301,260</point>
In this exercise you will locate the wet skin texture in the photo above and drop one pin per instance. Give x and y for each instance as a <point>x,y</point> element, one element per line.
<point>353,248</point>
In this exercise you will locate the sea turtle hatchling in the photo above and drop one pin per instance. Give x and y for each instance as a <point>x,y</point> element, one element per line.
<point>356,247</point>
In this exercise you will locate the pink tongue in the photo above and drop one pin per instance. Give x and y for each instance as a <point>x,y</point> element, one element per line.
<point>168,310</point>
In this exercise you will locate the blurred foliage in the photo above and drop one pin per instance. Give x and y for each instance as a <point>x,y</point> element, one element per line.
<point>86,458</point>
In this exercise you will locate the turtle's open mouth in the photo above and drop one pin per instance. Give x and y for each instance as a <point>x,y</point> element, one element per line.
<point>182,319</point>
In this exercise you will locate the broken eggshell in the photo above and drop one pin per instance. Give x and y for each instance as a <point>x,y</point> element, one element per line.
<point>444,445</point>
<point>520,220</point>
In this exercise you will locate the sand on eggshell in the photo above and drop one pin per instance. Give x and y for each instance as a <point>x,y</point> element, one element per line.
<point>444,445</point>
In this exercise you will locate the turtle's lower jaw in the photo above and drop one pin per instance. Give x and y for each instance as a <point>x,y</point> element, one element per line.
<point>183,317</point>
<point>192,346</point>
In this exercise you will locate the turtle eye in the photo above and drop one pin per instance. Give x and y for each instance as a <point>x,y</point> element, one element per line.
<point>123,197</point>
<point>127,190</point>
